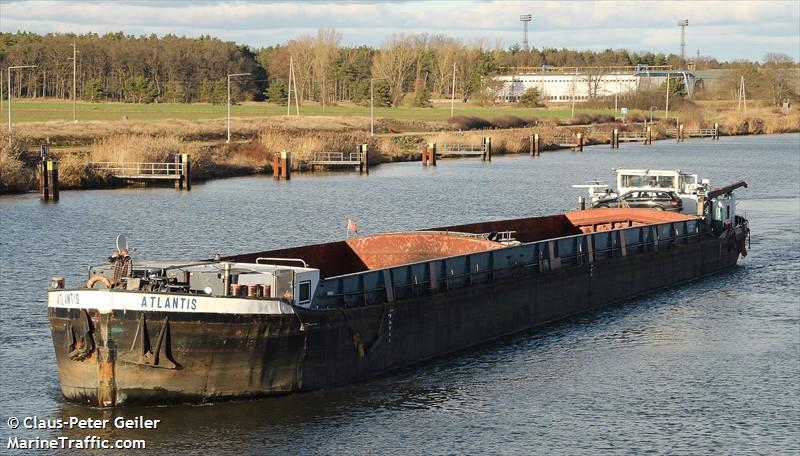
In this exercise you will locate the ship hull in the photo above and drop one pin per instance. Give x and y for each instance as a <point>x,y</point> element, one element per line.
<point>109,357</point>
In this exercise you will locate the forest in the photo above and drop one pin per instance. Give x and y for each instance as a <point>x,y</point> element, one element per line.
<point>407,69</point>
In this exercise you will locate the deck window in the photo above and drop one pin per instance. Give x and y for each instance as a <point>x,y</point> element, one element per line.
<point>304,294</point>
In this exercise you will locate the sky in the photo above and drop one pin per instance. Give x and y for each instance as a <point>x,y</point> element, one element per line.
<point>725,30</point>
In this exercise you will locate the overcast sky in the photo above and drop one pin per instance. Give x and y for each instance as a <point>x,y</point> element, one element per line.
<point>723,29</point>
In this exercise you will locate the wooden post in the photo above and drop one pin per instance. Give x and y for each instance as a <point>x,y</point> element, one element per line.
<point>648,140</point>
<point>425,155</point>
<point>535,144</point>
<point>716,130</point>
<point>680,133</point>
<point>276,166</point>
<point>581,203</point>
<point>286,164</point>
<point>364,167</point>
<point>579,147</point>
<point>179,172</point>
<point>432,153</point>
<point>186,168</point>
<point>52,169</point>
<point>44,193</point>
<point>487,148</point>
<point>615,139</point>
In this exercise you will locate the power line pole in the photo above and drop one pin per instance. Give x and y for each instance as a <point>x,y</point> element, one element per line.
<point>453,96</point>
<point>229,101</point>
<point>74,85</point>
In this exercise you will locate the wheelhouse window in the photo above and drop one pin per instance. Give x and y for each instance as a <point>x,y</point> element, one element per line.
<point>304,293</point>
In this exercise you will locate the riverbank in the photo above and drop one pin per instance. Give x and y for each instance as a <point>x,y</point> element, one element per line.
<point>250,152</point>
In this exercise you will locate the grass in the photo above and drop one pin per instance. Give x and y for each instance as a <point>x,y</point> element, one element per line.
<point>25,111</point>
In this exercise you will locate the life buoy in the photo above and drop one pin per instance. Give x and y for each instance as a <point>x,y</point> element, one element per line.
<point>98,278</point>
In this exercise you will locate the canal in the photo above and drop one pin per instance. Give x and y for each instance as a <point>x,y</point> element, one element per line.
<point>709,367</point>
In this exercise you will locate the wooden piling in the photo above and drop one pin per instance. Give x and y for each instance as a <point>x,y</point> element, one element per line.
<point>581,203</point>
<point>615,139</point>
<point>487,148</point>
<point>579,146</point>
<point>680,133</point>
<point>535,145</point>
<point>364,166</point>
<point>44,193</point>
<point>432,153</point>
<point>52,170</point>
<point>186,170</point>
<point>48,180</point>
<point>281,165</point>
<point>648,139</point>
<point>179,172</point>
<point>716,131</point>
<point>286,164</point>
<point>424,158</point>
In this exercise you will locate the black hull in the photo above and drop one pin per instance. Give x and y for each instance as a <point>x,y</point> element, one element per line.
<point>208,357</point>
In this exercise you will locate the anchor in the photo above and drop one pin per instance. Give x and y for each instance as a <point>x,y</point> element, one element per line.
<point>142,353</point>
<point>80,349</point>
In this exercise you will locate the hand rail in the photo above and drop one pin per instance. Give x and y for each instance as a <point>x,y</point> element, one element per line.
<point>259,259</point>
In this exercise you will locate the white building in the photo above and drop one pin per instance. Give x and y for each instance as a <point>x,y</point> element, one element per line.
<point>586,83</point>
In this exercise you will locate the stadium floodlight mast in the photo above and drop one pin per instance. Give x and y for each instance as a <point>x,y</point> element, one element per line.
<point>525,18</point>
<point>229,101</point>
<point>9,92</point>
<point>683,24</point>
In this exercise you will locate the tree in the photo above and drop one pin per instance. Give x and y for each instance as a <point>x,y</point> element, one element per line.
<point>422,96</point>
<point>276,92</point>
<point>530,98</point>
<point>676,87</point>
<point>778,84</point>
<point>395,63</point>
<point>214,91</point>
<point>174,92</point>
<point>139,90</point>
<point>93,90</point>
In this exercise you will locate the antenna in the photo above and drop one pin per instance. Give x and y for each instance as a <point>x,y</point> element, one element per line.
<point>683,24</point>
<point>525,18</point>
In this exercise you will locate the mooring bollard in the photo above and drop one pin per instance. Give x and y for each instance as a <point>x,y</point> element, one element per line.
<point>716,131</point>
<point>535,145</point>
<point>648,140</point>
<point>579,147</point>
<point>186,169</point>
<point>52,168</point>
<point>48,180</point>
<point>363,167</point>
<point>178,170</point>
<point>487,148</point>
<point>44,193</point>
<point>281,165</point>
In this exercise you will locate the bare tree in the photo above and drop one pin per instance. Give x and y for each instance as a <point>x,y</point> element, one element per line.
<point>395,63</point>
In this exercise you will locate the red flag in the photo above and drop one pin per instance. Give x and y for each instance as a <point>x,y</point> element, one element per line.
<point>351,226</point>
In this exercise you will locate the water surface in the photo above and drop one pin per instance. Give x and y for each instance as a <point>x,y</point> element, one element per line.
<point>709,367</point>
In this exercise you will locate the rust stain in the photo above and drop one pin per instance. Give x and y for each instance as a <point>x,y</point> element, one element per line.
<point>604,219</point>
<point>386,250</point>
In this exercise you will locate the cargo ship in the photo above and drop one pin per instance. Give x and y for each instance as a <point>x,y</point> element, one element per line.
<point>316,316</point>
